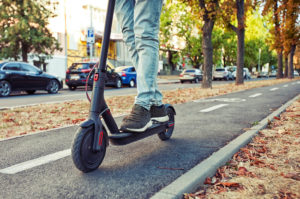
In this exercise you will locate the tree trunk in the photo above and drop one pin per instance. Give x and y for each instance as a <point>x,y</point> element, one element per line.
<point>24,52</point>
<point>207,49</point>
<point>286,70</point>
<point>290,62</point>
<point>240,31</point>
<point>279,64</point>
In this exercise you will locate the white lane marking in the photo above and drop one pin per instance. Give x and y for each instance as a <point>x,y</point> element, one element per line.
<point>221,100</point>
<point>36,162</point>
<point>285,85</point>
<point>255,95</point>
<point>273,89</point>
<point>213,108</point>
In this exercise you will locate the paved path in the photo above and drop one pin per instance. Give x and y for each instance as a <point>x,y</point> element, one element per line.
<point>140,169</point>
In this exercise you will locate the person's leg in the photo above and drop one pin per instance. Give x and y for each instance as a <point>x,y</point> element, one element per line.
<point>146,29</point>
<point>124,10</point>
<point>140,117</point>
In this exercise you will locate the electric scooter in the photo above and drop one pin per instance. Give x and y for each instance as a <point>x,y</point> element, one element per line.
<point>91,139</point>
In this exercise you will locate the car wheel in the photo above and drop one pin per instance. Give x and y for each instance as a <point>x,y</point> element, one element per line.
<point>5,88</point>
<point>53,86</point>
<point>30,92</point>
<point>181,81</point>
<point>118,83</point>
<point>226,78</point>
<point>132,83</point>
<point>72,88</point>
<point>196,80</point>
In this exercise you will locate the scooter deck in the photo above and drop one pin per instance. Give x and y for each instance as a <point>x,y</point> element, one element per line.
<point>127,137</point>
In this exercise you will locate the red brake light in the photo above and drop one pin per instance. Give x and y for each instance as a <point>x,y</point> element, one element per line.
<point>123,74</point>
<point>181,75</point>
<point>68,71</point>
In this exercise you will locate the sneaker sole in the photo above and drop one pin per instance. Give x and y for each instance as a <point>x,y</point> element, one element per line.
<point>161,119</point>
<point>149,124</point>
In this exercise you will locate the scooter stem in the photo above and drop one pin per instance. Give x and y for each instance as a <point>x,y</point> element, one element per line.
<point>98,103</point>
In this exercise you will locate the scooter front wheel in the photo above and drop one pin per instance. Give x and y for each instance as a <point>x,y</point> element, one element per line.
<point>84,158</point>
<point>169,131</point>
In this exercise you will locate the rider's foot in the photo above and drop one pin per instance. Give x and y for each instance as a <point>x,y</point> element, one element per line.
<point>159,113</point>
<point>138,120</point>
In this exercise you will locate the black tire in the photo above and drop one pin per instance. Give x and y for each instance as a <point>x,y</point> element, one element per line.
<point>197,80</point>
<point>72,88</point>
<point>83,157</point>
<point>5,88</point>
<point>118,83</point>
<point>30,92</point>
<point>132,83</point>
<point>53,86</point>
<point>168,133</point>
<point>181,81</point>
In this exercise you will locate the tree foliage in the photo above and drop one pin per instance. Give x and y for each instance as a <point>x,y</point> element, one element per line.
<point>23,28</point>
<point>285,31</point>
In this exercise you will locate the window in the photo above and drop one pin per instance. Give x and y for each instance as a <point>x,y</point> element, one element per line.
<point>12,67</point>
<point>220,69</point>
<point>29,68</point>
<point>190,71</point>
<point>132,69</point>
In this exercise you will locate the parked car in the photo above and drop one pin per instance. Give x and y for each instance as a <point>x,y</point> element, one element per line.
<point>77,75</point>
<point>263,74</point>
<point>21,76</point>
<point>273,73</point>
<point>128,75</point>
<point>246,74</point>
<point>192,75</point>
<point>222,73</point>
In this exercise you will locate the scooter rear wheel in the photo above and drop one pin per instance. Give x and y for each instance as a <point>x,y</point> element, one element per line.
<point>169,131</point>
<point>84,158</point>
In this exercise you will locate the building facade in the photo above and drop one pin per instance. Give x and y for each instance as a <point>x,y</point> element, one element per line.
<point>70,26</point>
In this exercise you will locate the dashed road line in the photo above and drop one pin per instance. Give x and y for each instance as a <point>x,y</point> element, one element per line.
<point>36,162</point>
<point>285,85</point>
<point>255,95</point>
<point>273,89</point>
<point>213,108</point>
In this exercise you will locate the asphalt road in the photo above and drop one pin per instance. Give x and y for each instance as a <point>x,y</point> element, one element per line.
<point>22,98</point>
<point>140,169</point>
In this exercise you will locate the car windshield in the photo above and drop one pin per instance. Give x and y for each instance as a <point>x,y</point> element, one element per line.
<point>121,68</point>
<point>220,69</point>
<point>78,66</point>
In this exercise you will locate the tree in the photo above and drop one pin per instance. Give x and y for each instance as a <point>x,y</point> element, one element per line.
<point>23,28</point>
<point>207,10</point>
<point>272,5</point>
<point>291,32</point>
<point>239,8</point>
<point>166,32</point>
<point>188,31</point>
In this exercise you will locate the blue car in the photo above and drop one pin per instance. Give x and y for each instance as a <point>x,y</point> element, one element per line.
<point>128,75</point>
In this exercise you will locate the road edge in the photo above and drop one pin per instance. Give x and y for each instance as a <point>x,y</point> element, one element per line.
<point>192,179</point>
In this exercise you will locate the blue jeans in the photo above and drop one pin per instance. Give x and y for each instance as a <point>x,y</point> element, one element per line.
<point>139,21</point>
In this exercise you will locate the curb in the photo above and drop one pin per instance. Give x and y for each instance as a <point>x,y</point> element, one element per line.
<point>195,177</point>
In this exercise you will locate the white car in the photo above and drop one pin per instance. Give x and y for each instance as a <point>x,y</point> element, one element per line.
<point>296,73</point>
<point>246,74</point>
<point>222,73</point>
<point>192,75</point>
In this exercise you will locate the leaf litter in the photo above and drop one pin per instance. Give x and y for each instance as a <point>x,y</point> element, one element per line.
<point>268,167</point>
<point>25,120</point>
